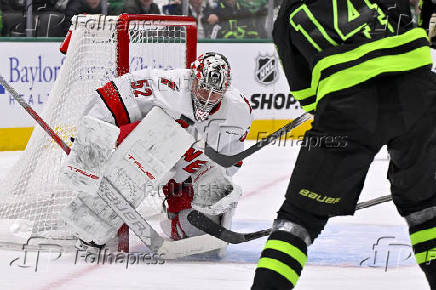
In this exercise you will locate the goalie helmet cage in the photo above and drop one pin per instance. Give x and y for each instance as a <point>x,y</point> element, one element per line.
<point>98,48</point>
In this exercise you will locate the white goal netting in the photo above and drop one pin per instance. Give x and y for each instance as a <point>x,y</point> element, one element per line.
<point>31,195</point>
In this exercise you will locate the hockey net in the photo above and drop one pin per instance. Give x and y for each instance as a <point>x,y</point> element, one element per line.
<point>98,48</point>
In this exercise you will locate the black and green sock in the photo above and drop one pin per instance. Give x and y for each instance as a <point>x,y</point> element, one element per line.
<point>423,239</point>
<point>281,262</point>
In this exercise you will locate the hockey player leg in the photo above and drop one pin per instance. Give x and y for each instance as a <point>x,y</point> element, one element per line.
<point>282,258</point>
<point>422,227</point>
<point>143,160</point>
<point>412,173</point>
<point>419,210</point>
<point>326,182</point>
<point>89,217</point>
<point>92,148</point>
<point>285,253</point>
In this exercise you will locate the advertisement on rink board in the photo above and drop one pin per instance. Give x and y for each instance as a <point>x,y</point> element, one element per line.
<point>33,67</point>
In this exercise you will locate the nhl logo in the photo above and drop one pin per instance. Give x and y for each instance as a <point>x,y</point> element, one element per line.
<point>266,69</point>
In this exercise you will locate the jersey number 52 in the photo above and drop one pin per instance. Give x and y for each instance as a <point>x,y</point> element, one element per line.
<point>142,88</point>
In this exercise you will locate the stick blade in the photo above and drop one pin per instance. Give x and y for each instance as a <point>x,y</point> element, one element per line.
<point>223,160</point>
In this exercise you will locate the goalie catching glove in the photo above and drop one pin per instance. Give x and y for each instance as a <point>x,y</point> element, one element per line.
<point>214,192</point>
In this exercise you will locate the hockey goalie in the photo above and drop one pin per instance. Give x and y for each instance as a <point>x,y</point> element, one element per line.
<point>153,124</point>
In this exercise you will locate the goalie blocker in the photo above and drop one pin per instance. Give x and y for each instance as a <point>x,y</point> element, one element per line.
<point>138,163</point>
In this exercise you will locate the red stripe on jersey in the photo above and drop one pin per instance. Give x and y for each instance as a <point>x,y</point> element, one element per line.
<point>242,139</point>
<point>215,109</point>
<point>125,131</point>
<point>182,123</point>
<point>239,164</point>
<point>248,103</point>
<point>111,97</point>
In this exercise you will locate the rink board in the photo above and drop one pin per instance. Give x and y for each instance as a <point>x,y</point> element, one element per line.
<point>34,67</point>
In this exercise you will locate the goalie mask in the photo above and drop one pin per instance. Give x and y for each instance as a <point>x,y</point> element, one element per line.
<point>210,80</point>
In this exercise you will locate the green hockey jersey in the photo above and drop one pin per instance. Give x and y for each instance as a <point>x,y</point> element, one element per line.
<point>330,45</point>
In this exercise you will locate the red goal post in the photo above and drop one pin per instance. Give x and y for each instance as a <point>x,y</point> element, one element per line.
<point>168,20</point>
<point>124,64</point>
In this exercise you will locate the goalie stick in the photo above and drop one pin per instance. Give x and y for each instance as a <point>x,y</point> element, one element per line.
<point>129,215</point>
<point>229,160</point>
<point>205,224</point>
<point>35,115</point>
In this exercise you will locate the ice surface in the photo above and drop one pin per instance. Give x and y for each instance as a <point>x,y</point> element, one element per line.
<point>370,250</point>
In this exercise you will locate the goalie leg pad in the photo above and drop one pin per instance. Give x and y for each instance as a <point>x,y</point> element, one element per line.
<point>89,223</point>
<point>135,169</point>
<point>102,210</point>
<point>92,148</point>
<point>146,155</point>
<point>89,217</point>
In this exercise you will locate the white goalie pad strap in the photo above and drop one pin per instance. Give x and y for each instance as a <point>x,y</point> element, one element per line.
<point>140,163</point>
<point>214,192</point>
<point>91,149</point>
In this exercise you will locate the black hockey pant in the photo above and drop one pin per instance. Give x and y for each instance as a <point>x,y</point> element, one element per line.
<point>349,129</point>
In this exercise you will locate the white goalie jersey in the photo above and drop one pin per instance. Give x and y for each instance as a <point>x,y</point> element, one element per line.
<point>192,182</point>
<point>129,98</point>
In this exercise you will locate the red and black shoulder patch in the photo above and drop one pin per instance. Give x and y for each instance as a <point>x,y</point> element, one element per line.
<point>114,102</point>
